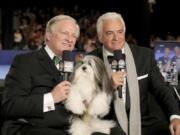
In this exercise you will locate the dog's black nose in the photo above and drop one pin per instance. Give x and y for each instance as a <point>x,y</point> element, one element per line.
<point>83,68</point>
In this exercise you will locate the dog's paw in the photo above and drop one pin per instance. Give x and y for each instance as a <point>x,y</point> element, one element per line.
<point>75,104</point>
<point>100,105</point>
<point>76,108</point>
<point>79,127</point>
<point>103,126</point>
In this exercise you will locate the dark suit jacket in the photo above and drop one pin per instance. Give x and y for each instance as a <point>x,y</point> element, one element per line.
<point>31,76</point>
<point>153,83</point>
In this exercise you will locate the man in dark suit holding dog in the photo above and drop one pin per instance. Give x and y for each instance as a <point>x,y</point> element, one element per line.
<point>34,89</point>
<point>141,77</point>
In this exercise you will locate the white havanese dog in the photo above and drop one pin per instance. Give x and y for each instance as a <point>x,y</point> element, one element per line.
<point>89,98</point>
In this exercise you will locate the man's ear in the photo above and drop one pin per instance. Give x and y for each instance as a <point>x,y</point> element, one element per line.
<point>48,36</point>
<point>100,38</point>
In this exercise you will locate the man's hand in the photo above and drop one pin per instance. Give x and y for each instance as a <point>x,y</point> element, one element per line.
<point>118,79</point>
<point>175,126</point>
<point>60,91</point>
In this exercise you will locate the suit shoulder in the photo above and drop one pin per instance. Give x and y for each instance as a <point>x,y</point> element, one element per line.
<point>141,49</point>
<point>27,55</point>
<point>97,52</point>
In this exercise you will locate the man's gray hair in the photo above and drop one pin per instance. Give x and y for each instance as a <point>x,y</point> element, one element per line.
<point>109,16</point>
<point>58,18</point>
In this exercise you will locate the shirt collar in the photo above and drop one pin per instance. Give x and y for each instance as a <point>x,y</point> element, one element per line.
<point>49,52</point>
<point>108,53</point>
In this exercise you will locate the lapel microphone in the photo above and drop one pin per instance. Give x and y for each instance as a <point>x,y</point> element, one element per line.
<point>67,64</point>
<point>118,64</point>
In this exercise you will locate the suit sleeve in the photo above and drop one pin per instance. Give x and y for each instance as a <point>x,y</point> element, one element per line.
<point>18,100</point>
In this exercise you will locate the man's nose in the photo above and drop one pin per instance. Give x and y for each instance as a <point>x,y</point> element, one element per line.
<point>115,36</point>
<point>70,38</point>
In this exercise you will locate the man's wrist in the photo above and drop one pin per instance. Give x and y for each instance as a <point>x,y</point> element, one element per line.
<point>174,117</point>
<point>48,103</point>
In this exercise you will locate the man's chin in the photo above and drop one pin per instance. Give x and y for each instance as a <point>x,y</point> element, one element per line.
<point>68,49</point>
<point>117,48</point>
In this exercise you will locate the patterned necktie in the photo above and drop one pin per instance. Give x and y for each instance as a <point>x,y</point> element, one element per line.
<point>56,60</point>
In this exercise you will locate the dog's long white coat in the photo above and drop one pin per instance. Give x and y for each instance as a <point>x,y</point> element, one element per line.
<point>80,127</point>
<point>85,96</point>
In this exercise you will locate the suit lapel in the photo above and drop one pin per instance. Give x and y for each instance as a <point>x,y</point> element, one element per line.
<point>48,65</point>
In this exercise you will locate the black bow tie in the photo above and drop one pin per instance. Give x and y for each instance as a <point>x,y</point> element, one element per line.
<point>110,58</point>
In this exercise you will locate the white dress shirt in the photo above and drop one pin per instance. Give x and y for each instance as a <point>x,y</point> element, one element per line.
<point>48,104</point>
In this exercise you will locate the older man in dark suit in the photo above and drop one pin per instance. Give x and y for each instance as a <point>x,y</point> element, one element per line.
<point>141,77</point>
<point>34,90</point>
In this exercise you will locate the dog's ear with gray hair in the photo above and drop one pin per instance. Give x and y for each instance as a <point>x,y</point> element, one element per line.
<point>102,75</point>
<point>106,81</point>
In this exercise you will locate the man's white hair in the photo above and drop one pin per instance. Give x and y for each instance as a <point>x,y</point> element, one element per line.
<point>58,18</point>
<point>109,16</point>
